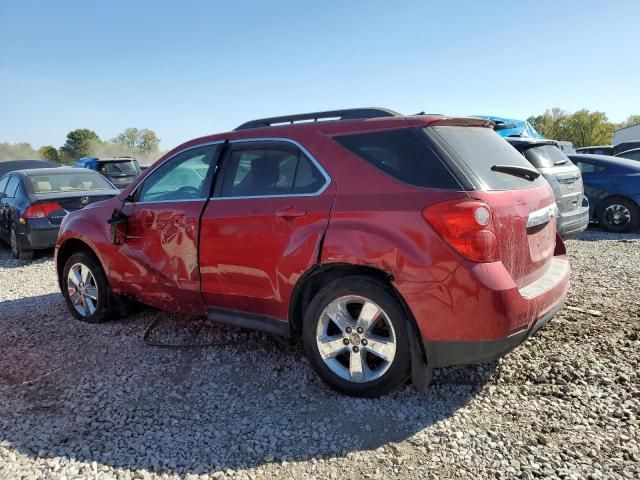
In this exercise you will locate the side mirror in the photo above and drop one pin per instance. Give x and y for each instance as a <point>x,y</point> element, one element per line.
<point>118,223</point>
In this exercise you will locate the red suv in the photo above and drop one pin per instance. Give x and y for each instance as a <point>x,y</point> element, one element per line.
<point>390,244</point>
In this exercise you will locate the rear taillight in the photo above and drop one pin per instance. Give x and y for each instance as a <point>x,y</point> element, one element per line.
<point>41,210</point>
<point>466,225</point>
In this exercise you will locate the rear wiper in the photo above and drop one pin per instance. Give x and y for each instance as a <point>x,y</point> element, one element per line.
<point>560,162</point>
<point>524,172</point>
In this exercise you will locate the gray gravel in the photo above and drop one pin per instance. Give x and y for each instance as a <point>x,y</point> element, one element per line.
<point>87,401</point>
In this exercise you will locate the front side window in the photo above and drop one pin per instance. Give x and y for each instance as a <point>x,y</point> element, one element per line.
<point>269,171</point>
<point>187,176</point>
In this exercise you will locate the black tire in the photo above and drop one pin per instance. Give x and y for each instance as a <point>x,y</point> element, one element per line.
<point>106,303</point>
<point>608,220</point>
<point>398,370</point>
<point>19,251</point>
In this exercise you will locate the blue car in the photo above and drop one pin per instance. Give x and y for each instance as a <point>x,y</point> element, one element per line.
<point>612,185</point>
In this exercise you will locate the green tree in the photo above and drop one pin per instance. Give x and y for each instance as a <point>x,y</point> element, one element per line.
<point>138,140</point>
<point>49,153</point>
<point>582,128</point>
<point>17,151</point>
<point>148,141</point>
<point>630,121</point>
<point>79,143</point>
<point>128,138</point>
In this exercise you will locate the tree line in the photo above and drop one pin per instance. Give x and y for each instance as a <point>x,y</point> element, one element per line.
<point>582,128</point>
<point>142,144</point>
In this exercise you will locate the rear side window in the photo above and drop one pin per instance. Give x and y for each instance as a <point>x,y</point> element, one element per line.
<point>585,167</point>
<point>634,155</point>
<point>545,156</point>
<point>12,186</point>
<point>3,185</point>
<point>480,149</point>
<point>402,154</point>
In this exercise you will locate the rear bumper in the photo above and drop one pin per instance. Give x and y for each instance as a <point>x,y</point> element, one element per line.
<point>443,354</point>
<point>478,313</point>
<point>37,234</point>
<point>575,222</point>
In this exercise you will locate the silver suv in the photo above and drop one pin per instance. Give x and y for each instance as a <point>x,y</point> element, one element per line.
<point>565,179</point>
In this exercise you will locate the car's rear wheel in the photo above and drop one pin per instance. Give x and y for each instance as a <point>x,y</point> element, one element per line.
<point>356,337</point>
<point>19,251</point>
<point>619,215</point>
<point>86,289</point>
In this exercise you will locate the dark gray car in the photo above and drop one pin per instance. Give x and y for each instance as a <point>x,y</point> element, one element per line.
<point>565,180</point>
<point>34,202</point>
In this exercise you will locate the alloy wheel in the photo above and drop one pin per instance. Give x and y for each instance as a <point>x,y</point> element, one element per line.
<point>82,289</point>
<point>617,215</point>
<point>356,339</point>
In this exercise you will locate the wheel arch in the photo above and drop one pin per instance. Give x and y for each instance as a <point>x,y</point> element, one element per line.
<point>320,275</point>
<point>68,248</point>
<point>600,205</point>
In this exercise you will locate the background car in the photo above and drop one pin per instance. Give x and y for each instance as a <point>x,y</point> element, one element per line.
<point>34,202</point>
<point>564,178</point>
<point>596,150</point>
<point>120,171</point>
<point>633,154</point>
<point>13,165</point>
<point>613,187</point>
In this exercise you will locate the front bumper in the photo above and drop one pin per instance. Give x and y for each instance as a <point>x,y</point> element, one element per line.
<point>446,354</point>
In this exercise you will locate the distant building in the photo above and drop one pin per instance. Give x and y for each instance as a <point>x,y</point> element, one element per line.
<point>627,134</point>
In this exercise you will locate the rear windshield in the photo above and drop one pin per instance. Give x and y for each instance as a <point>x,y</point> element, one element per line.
<point>68,182</point>
<point>480,148</point>
<point>403,154</point>
<point>126,167</point>
<point>545,156</point>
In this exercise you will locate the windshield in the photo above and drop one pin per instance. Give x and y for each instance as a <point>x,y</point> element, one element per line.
<point>481,149</point>
<point>544,156</point>
<point>68,182</point>
<point>121,167</point>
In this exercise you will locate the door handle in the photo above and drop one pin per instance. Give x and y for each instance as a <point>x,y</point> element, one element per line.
<point>291,212</point>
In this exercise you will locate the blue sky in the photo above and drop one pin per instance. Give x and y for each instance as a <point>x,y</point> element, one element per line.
<point>188,68</point>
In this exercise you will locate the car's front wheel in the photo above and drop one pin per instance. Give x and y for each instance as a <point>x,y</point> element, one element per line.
<point>86,289</point>
<point>356,337</point>
<point>619,215</point>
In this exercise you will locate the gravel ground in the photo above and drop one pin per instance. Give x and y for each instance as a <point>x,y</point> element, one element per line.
<point>93,401</point>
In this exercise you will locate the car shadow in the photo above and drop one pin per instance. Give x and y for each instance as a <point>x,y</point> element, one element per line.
<point>595,233</point>
<point>98,393</point>
<point>7,260</point>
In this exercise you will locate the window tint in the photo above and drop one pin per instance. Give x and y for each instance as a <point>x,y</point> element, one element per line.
<point>12,186</point>
<point>480,149</point>
<point>126,167</point>
<point>634,155</point>
<point>68,182</point>
<point>187,176</point>
<point>402,154</point>
<point>269,171</point>
<point>544,156</point>
<point>3,185</point>
<point>585,167</point>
